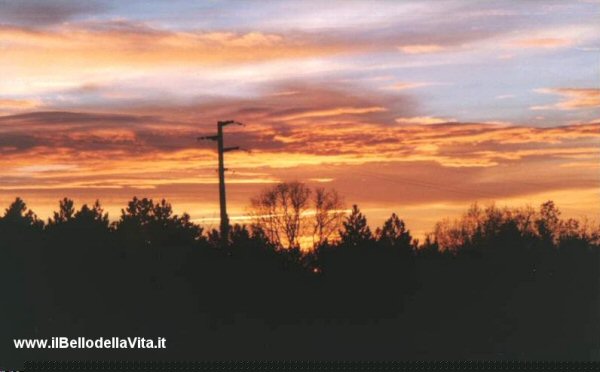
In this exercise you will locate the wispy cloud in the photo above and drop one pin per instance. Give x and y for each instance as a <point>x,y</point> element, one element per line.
<point>572,98</point>
<point>411,85</point>
<point>11,106</point>
<point>421,48</point>
<point>45,13</point>
<point>338,111</point>
<point>543,42</point>
<point>425,120</point>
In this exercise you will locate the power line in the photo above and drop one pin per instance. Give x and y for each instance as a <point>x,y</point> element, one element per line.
<point>424,184</point>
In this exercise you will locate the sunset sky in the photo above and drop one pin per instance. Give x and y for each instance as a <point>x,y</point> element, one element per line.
<point>418,108</point>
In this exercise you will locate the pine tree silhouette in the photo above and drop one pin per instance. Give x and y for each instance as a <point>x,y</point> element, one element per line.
<point>356,230</point>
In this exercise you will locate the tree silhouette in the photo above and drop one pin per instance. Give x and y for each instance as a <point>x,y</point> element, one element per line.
<point>328,215</point>
<point>17,214</point>
<point>93,215</point>
<point>494,279</point>
<point>145,223</point>
<point>65,212</point>
<point>394,233</point>
<point>548,223</point>
<point>281,212</point>
<point>83,220</point>
<point>355,229</point>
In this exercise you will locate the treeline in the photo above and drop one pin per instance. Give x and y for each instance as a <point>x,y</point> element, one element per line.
<point>495,283</point>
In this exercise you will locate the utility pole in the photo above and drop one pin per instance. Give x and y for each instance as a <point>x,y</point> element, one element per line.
<point>222,199</point>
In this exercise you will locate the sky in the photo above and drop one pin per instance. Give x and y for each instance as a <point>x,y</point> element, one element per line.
<point>419,108</point>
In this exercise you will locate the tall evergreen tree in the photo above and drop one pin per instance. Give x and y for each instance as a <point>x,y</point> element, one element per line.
<point>17,214</point>
<point>394,233</point>
<point>355,231</point>
<point>66,211</point>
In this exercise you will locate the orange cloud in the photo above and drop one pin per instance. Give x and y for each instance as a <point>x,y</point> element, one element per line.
<point>11,106</point>
<point>374,149</point>
<point>18,103</point>
<point>400,167</point>
<point>63,57</point>
<point>421,48</point>
<point>132,44</point>
<point>543,42</point>
<point>334,112</point>
<point>425,120</point>
<point>404,86</point>
<point>573,98</point>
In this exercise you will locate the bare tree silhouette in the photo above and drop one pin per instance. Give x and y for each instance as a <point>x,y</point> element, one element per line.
<point>283,212</point>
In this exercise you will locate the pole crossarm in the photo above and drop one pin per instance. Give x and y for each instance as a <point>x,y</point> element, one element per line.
<point>228,122</point>
<point>212,138</point>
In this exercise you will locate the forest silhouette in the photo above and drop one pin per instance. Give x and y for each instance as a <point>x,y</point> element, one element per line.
<point>496,283</point>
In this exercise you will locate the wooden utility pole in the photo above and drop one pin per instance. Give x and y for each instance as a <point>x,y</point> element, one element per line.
<point>222,199</point>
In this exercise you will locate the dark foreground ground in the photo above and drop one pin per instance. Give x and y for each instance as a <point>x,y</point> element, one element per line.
<point>504,294</point>
<point>227,309</point>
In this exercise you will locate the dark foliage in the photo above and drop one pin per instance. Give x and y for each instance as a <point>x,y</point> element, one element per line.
<point>516,284</point>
